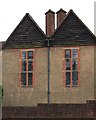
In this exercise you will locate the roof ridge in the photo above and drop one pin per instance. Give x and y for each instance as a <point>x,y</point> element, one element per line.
<point>35,23</point>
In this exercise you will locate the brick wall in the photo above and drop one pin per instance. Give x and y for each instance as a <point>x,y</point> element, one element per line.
<point>87,110</point>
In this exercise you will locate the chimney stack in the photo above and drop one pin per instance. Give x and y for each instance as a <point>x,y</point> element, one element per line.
<point>60,16</point>
<point>50,22</point>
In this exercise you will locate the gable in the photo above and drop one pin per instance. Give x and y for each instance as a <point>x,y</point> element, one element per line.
<point>72,31</point>
<point>26,35</point>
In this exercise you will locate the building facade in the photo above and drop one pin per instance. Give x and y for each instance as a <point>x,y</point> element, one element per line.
<point>56,67</point>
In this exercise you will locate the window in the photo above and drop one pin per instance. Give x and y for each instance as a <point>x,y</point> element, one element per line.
<point>26,67</point>
<point>71,67</point>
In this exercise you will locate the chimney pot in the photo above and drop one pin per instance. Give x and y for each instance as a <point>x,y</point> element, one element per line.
<point>60,16</point>
<point>50,22</point>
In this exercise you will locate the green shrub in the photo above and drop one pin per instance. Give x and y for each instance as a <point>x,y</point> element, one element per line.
<point>1,94</point>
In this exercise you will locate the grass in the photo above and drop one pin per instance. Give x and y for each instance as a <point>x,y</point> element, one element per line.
<point>0,95</point>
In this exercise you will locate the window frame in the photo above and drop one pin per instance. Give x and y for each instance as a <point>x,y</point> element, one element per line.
<point>27,72</point>
<point>71,69</point>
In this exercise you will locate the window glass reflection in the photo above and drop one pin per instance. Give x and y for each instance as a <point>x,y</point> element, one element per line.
<point>30,66</point>
<point>67,64</point>
<point>74,78</point>
<point>74,53</point>
<point>67,53</point>
<point>67,78</point>
<point>23,65</point>
<point>30,54</point>
<point>29,78</point>
<point>23,55</point>
<point>23,78</point>
<point>74,64</point>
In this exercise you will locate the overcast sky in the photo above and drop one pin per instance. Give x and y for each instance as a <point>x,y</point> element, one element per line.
<point>12,11</point>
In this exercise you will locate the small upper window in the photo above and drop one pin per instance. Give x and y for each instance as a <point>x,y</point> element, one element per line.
<point>23,55</point>
<point>67,53</point>
<point>30,54</point>
<point>74,53</point>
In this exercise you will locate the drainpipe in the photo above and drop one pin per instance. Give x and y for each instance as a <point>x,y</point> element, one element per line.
<point>48,72</point>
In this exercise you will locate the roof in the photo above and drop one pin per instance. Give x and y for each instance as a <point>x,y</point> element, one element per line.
<point>72,31</point>
<point>26,35</point>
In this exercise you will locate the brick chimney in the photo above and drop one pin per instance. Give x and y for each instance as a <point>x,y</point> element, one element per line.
<point>60,16</point>
<point>50,22</point>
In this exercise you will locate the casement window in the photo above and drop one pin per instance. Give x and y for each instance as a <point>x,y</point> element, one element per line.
<point>26,67</point>
<point>71,67</point>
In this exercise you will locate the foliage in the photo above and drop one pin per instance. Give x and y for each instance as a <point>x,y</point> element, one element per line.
<point>1,94</point>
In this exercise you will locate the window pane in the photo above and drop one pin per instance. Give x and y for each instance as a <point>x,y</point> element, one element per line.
<point>23,65</point>
<point>30,66</point>
<point>74,53</point>
<point>23,54</point>
<point>30,54</point>
<point>23,78</point>
<point>67,78</point>
<point>74,64</point>
<point>67,53</point>
<point>67,64</point>
<point>29,78</point>
<point>74,78</point>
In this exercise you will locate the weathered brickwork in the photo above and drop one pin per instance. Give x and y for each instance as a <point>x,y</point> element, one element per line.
<point>85,110</point>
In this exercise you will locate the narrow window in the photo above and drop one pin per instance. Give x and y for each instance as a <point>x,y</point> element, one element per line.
<point>23,78</point>
<point>26,73</point>
<point>71,67</point>
<point>67,78</point>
